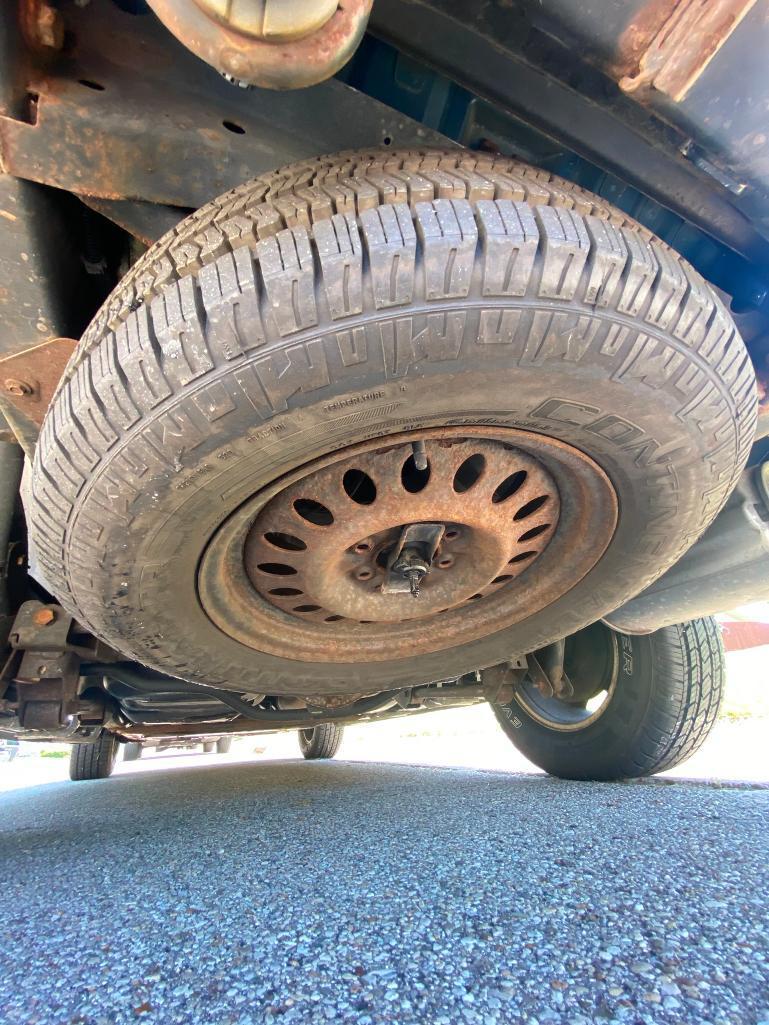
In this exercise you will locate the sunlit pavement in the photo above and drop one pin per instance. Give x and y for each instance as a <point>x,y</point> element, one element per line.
<point>459,886</point>
<point>203,891</point>
<point>736,751</point>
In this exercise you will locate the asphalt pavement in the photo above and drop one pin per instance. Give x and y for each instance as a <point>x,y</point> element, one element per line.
<point>292,892</point>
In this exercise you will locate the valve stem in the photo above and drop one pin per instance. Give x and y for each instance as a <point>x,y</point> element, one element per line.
<point>420,455</point>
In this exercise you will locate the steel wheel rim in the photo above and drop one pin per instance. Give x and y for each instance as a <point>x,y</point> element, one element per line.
<point>595,685</point>
<point>233,584</point>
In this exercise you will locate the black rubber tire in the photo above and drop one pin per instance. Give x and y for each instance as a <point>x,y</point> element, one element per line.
<point>132,751</point>
<point>666,702</point>
<point>221,363</point>
<point>96,760</point>
<point>209,747</point>
<point>223,745</point>
<point>321,741</point>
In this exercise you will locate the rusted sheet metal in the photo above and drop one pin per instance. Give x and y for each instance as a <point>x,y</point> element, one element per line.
<point>28,379</point>
<point>143,119</point>
<point>39,267</point>
<point>688,35</point>
<point>252,52</point>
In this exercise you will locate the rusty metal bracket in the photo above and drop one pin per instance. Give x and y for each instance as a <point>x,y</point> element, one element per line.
<point>500,681</point>
<point>44,628</point>
<point>50,629</point>
<point>685,43</point>
<point>28,379</point>
<point>42,673</point>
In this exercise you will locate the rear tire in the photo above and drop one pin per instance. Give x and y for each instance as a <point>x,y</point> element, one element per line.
<point>665,692</point>
<point>223,745</point>
<point>132,752</point>
<point>321,741</point>
<point>96,760</point>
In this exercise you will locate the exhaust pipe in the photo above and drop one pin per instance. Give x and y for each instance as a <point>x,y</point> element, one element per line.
<point>727,567</point>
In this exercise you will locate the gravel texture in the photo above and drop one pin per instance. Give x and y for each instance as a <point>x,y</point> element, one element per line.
<point>287,892</point>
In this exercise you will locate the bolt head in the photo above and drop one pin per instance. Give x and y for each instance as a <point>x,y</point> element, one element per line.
<point>43,617</point>
<point>14,386</point>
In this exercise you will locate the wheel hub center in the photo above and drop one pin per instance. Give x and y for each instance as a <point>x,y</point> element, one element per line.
<point>411,559</point>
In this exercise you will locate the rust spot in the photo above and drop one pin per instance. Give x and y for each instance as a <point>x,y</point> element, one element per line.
<point>41,25</point>
<point>287,64</point>
<point>668,44</point>
<point>30,377</point>
<point>638,35</point>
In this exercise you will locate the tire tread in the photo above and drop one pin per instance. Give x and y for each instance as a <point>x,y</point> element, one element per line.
<point>325,741</point>
<point>95,760</point>
<point>288,252</point>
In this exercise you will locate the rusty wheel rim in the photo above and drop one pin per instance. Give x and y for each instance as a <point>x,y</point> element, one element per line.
<point>298,571</point>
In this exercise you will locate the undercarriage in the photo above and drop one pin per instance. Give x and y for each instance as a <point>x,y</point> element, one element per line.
<point>466,412</point>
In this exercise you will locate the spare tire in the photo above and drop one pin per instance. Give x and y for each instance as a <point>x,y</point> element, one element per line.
<point>285,347</point>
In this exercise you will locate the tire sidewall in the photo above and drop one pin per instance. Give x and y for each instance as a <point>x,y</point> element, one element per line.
<point>661,466</point>
<point>607,747</point>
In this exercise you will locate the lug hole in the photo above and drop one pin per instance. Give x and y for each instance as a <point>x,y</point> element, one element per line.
<point>509,486</point>
<point>359,487</point>
<point>530,508</point>
<point>314,512</point>
<point>288,542</point>
<point>364,574</point>
<point>468,474</point>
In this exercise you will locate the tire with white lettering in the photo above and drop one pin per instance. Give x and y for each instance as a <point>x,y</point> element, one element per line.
<point>350,298</point>
<point>641,704</point>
